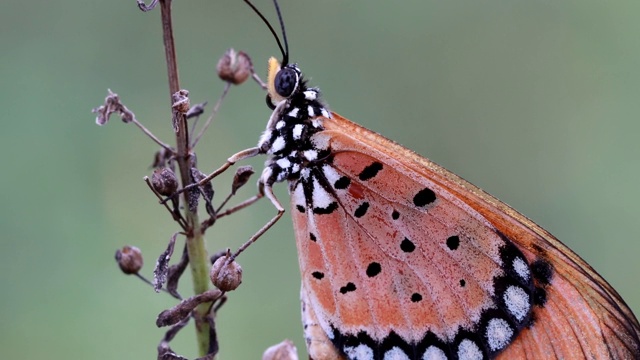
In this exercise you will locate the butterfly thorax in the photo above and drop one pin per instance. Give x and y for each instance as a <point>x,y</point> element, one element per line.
<point>289,131</point>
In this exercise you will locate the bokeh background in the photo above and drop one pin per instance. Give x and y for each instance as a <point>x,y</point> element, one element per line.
<point>535,101</point>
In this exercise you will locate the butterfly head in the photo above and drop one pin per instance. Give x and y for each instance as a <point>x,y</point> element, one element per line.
<point>284,81</point>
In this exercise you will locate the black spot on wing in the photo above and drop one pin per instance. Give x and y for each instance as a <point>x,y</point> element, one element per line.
<point>317,274</point>
<point>312,237</point>
<point>462,283</point>
<point>370,171</point>
<point>415,297</point>
<point>395,215</point>
<point>361,210</point>
<point>407,245</point>
<point>453,242</point>
<point>348,288</point>
<point>542,271</point>
<point>300,208</point>
<point>342,183</point>
<point>424,197</point>
<point>539,296</point>
<point>373,269</point>
<point>327,210</point>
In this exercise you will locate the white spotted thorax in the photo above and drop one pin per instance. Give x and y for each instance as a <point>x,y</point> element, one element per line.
<point>296,117</point>
<point>507,293</point>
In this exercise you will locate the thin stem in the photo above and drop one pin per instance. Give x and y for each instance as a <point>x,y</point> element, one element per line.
<point>146,281</point>
<point>239,207</point>
<point>262,84</point>
<point>197,110</point>
<point>227,86</point>
<point>198,258</point>
<point>226,200</point>
<point>150,134</point>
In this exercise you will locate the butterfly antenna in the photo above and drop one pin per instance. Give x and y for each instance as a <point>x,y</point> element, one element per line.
<point>285,59</point>
<point>285,53</point>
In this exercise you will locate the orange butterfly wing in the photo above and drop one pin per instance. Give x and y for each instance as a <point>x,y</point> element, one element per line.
<point>578,315</point>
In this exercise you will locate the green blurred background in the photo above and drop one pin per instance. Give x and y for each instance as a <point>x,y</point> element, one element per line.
<point>537,102</point>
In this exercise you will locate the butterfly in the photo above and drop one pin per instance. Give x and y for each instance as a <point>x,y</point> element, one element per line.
<point>402,259</point>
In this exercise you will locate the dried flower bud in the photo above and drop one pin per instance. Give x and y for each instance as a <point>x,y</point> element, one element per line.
<point>207,188</point>
<point>112,105</point>
<point>226,277</point>
<point>196,110</point>
<point>241,177</point>
<point>181,101</point>
<point>165,182</point>
<point>234,67</point>
<point>129,259</point>
<point>283,351</point>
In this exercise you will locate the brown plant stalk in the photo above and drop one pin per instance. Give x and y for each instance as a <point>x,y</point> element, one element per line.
<point>198,258</point>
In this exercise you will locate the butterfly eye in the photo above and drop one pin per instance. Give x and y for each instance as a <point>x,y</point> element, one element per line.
<point>286,82</point>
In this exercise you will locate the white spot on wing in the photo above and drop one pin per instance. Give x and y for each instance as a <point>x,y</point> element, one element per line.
<point>498,334</point>
<point>521,268</point>
<point>310,111</point>
<point>311,155</point>
<point>321,198</point>
<point>517,301</point>
<point>304,173</point>
<point>321,141</point>
<point>434,353</point>
<point>331,174</point>
<point>316,123</point>
<point>293,112</point>
<point>297,131</point>
<point>278,144</point>
<point>469,350</point>
<point>298,196</point>
<point>360,352</point>
<point>325,113</point>
<point>395,354</point>
<point>280,124</point>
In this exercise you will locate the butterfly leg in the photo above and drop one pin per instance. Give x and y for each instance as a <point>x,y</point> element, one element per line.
<point>264,189</point>
<point>244,154</point>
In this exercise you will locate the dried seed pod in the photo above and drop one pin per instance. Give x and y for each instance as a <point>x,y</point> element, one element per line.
<point>165,182</point>
<point>129,259</point>
<point>226,277</point>
<point>207,188</point>
<point>196,110</point>
<point>234,67</point>
<point>282,351</point>
<point>181,101</point>
<point>241,177</point>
